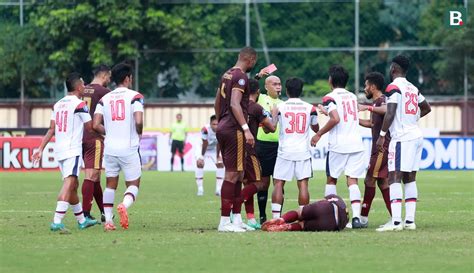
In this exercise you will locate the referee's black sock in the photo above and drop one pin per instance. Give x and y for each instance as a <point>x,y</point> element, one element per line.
<point>262,203</point>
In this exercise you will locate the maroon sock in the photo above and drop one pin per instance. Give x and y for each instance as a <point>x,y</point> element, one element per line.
<point>386,199</point>
<point>237,202</point>
<point>248,192</point>
<point>295,227</point>
<point>369,194</point>
<point>227,197</point>
<point>249,209</point>
<point>98,196</point>
<point>87,195</point>
<point>290,216</point>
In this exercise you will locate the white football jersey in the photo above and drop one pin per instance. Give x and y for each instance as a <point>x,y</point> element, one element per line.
<point>407,97</point>
<point>69,115</point>
<point>295,117</point>
<point>344,138</point>
<point>208,134</point>
<point>118,107</point>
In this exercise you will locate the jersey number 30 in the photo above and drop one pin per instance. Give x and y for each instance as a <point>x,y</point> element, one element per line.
<point>297,123</point>
<point>117,108</point>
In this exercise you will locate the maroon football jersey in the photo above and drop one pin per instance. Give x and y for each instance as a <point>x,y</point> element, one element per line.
<point>233,79</point>
<point>256,115</point>
<point>92,95</point>
<point>377,121</point>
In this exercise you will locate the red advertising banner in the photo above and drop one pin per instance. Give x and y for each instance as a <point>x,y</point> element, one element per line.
<point>16,152</point>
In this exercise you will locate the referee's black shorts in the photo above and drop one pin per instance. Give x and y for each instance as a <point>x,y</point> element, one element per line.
<point>177,145</point>
<point>267,152</point>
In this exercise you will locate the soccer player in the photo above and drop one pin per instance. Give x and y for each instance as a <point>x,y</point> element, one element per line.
<point>258,117</point>
<point>119,116</point>
<point>93,144</point>
<point>69,117</point>
<point>378,169</point>
<point>209,150</point>
<point>267,143</point>
<point>329,214</point>
<point>405,105</point>
<point>231,104</point>
<point>345,150</point>
<point>295,117</point>
<point>178,136</point>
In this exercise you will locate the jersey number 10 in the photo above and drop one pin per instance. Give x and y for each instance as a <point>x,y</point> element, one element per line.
<point>297,123</point>
<point>117,108</point>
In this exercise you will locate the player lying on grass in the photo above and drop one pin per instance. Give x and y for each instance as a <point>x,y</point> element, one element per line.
<point>70,116</point>
<point>329,214</point>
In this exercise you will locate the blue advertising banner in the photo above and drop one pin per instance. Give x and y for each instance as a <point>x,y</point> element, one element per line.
<point>447,153</point>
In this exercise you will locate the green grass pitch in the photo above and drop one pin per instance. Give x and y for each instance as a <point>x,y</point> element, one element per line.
<point>173,230</point>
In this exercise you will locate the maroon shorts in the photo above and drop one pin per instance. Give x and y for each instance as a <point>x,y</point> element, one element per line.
<point>253,171</point>
<point>92,153</point>
<point>378,166</point>
<point>232,144</point>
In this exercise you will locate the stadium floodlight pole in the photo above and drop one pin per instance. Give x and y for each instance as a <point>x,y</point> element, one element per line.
<point>247,22</point>
<point>356,47</point>
<point>465,123</point>
<point>261,33</point>
<point>22,79</point>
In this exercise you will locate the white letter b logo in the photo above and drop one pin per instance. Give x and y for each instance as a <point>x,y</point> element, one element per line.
<point>455,18</point>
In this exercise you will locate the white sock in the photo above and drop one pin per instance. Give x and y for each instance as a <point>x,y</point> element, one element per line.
<point>220,173</point>
<point>224,220</point>
<point>130,195</point>
<point>330,189</point>
<point>411,195</point>
<point>396,195</point>
<point>199,174</point>
<point>276,210</point>
<point>237,219</point>
<point>61,208</point>
<point>77,209</point>
<point>354,196</point>
<point>109,196</point>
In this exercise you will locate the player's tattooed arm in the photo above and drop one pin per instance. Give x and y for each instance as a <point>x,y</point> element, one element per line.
<point>37,155</point>
<point>425,108</point>
<point>97,124</point>
<point>268,126</point>
<point>138,116</point>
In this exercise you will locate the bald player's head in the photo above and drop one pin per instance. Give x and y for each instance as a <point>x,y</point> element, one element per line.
<point>273,86</point>
<point>248,57</point>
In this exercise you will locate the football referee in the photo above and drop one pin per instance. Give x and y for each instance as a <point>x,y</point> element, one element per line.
<point>267,144</point>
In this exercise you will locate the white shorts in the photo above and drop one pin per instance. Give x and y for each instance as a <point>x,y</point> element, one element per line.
<point>70,166</point>
<point>211,155</point>
<point>130,165</point>
<point>353,164</point>
<point>287,169</point>
<point>405,156</point>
